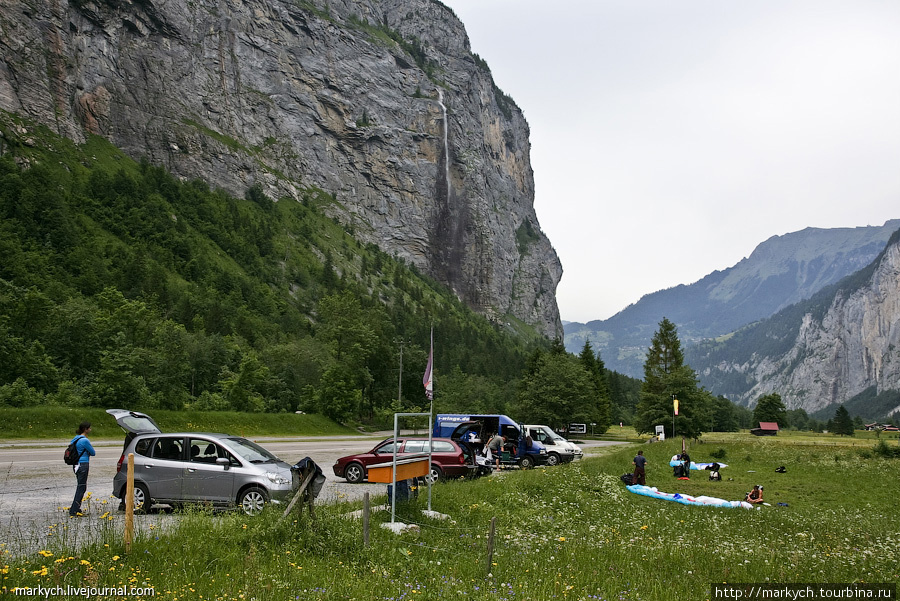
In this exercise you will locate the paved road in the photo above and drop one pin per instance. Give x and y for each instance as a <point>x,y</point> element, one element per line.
<point>36,487</point>
<point>34,480</point>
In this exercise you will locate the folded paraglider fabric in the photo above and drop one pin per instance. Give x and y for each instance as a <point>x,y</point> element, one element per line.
<point>686,499</point>
<point>694,465</point>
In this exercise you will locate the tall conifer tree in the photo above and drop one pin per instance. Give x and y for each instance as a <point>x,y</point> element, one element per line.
<point>842,422</point>
<point>593,365</point>
<point>667,377</point>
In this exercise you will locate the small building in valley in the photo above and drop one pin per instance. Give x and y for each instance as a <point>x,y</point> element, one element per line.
<point>765,429</point>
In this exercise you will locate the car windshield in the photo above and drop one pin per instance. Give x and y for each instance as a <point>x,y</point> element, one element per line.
<point>251,451</point>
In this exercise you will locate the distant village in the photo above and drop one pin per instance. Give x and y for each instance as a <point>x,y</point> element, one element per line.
<point>883,427</point>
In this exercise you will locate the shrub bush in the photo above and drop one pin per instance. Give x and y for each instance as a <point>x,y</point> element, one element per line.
<point>888,452</point>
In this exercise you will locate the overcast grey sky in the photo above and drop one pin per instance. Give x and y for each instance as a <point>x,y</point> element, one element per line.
<point>669,138</point>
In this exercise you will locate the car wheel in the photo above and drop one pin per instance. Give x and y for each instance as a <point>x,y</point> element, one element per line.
<point>355,473</point>
<point>142,500</point>
<point>253,500</point>
<point>552,459</point>
<point>435,475</point>
<point>526,463</point>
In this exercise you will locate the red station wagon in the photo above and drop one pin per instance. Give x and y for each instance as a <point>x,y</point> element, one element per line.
<point>449,459</point>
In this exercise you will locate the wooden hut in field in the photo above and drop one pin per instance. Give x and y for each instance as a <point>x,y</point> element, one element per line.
<point>765,429</point>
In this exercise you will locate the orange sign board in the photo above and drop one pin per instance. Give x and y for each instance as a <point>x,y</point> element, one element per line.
<point>408,467</point>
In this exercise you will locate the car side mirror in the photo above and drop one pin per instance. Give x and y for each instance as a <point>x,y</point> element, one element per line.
<point>223,461</point>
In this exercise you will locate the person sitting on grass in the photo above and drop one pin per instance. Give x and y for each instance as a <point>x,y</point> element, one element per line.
<point>756,495</point>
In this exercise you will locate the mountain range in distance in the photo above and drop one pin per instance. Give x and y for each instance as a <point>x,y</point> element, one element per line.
<point>780,272</point>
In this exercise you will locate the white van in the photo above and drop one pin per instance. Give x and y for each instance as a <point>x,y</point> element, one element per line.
<point>559,450</point>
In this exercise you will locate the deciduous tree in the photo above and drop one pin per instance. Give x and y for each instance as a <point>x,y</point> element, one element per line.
<point>769,408</point>
<point>557,392</point>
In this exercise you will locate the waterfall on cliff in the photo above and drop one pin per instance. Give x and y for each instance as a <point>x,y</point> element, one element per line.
<point>446,145</point>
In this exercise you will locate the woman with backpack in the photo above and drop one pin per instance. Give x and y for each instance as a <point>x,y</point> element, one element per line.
<point>85,451</point>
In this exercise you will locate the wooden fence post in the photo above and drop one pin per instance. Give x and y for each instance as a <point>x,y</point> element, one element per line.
<point>366,520</point>
<point>309,497</point>
<point>306,481</point>
<point>490,547</point>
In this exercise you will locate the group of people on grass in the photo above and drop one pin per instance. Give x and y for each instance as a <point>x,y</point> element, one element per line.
<point>639,476</point>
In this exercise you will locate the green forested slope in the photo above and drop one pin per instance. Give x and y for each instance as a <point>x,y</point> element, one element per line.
<point>123,286</point>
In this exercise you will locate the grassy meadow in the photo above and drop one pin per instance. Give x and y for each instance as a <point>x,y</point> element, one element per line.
<point>52,422</point>
<point>570,532</point>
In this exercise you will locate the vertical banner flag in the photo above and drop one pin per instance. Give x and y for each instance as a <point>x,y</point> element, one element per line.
<point>675,403</point>
<point>427,379</point>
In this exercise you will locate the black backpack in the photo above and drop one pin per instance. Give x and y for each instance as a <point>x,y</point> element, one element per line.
<point>71,456</point>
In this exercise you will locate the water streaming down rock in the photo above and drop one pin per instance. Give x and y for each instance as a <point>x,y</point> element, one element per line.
<point>446,142</point>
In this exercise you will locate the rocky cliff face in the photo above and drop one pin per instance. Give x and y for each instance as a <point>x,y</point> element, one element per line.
<point>852,346</point>
<point>379,102</point>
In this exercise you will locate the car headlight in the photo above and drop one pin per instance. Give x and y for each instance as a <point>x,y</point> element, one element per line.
<point>276,478</point>
<point>543,451</point>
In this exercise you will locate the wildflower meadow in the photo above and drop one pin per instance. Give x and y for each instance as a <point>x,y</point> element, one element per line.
<point>571,532</point>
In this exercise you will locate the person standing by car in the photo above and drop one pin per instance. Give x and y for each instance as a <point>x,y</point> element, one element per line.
<point>493,446</point>
<point>639,462</point>
<point>85,452</point>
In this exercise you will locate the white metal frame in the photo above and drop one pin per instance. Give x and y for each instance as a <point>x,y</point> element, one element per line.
<point>394,461</point>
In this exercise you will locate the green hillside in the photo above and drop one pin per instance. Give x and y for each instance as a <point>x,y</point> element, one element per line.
<point>123,286</point>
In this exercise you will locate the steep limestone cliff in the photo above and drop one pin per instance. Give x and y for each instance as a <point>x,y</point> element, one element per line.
<point>379,102</point>
<point>852,345</point>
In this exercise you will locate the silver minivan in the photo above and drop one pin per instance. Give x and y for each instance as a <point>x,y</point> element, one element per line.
<point>559,450</point>
<point>197,467</point>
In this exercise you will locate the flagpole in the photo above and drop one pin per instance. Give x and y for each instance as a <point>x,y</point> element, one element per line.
<point>428,382</point>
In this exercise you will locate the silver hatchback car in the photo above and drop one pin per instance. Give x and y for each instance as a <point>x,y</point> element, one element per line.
<point>194,467</point>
